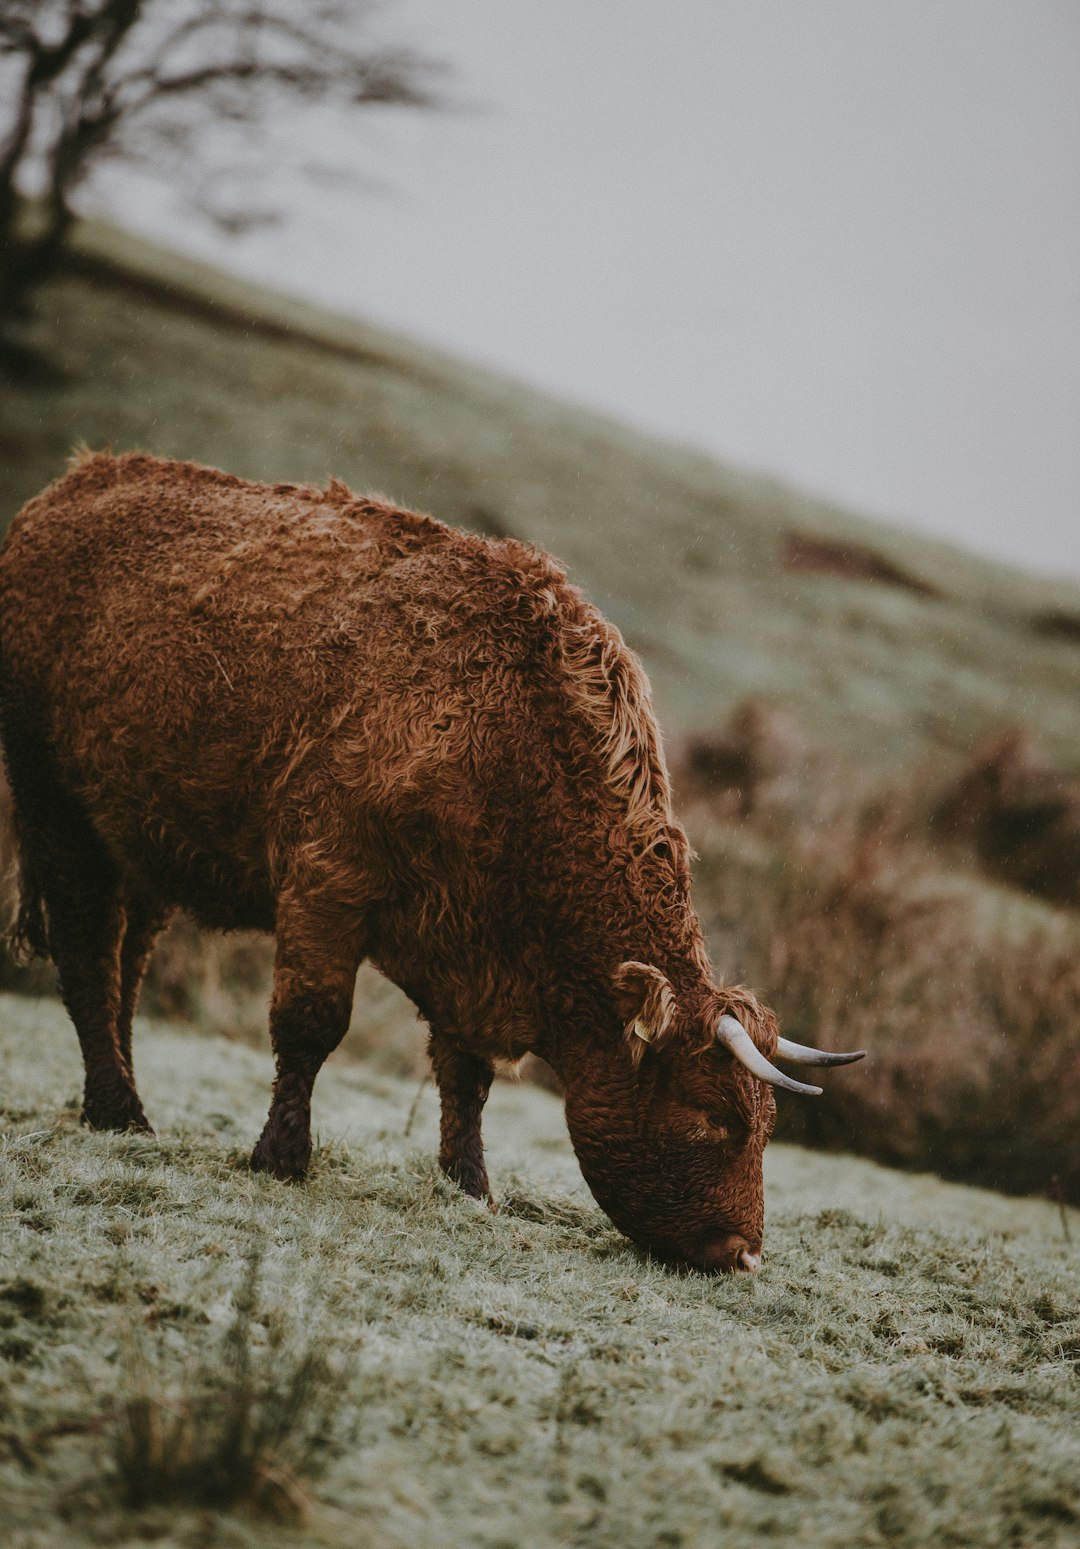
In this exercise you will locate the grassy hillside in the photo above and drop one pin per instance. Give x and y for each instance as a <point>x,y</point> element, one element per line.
<point>903,1370</point>
<point>686,554</point>
<point>873,661</point>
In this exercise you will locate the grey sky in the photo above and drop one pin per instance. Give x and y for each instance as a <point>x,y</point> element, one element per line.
<point>834,239</point>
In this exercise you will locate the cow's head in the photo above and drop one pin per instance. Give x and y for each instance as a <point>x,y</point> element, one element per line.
<point>670,1129</point>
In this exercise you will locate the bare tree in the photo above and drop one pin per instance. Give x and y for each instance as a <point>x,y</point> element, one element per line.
<point>155,80</point>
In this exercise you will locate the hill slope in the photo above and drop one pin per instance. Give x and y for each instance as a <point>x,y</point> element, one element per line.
<point>892,653</point>
<point>729,584</point>
<point>903,1370</point>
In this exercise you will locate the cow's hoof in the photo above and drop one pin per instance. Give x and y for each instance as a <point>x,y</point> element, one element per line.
<point>470,1180</point>
<point>285,1168</point>
<point>117,1113</point>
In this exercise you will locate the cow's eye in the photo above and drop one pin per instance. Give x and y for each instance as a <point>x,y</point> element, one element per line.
<point>718,1124</point>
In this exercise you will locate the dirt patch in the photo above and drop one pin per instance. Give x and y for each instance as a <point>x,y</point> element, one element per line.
<point>851,561</point>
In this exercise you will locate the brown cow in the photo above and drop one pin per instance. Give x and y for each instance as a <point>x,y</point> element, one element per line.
<point>317,715</point>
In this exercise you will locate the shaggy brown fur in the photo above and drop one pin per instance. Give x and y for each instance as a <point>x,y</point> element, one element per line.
<point>375,736</point>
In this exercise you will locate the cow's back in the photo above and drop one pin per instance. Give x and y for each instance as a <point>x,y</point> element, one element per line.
<point>209,664</point>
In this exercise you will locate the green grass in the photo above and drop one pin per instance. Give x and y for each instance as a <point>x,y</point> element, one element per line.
<point>904,1370</point>
<point>682,551</point>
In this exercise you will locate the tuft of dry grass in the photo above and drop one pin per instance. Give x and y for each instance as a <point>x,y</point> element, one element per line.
<point>245,1428</point>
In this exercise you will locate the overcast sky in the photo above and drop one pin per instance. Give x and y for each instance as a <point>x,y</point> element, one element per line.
<point>838,240</point>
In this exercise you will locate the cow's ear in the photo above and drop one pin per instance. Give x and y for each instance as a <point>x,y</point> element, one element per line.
<point>646,1004</point>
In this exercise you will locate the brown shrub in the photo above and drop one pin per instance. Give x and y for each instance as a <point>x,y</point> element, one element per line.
<point>751,764</point>
<point>1021,818</point>
<point>859,940</point>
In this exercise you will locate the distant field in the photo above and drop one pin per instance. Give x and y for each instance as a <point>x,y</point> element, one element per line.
<point>903,1370</point>
<point>900,649</point>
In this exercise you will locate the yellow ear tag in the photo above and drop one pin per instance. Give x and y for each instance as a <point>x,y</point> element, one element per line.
<point>642,1031</point>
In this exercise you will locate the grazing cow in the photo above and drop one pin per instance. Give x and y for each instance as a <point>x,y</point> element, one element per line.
<point>314,714</point>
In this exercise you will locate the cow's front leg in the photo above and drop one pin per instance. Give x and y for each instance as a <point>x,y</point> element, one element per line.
<point>309,1016</point>
<point>464,1081</point>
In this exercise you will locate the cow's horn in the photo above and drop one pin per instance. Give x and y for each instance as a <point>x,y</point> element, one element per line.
<point>803,1054</point>
<point>733,1035</point>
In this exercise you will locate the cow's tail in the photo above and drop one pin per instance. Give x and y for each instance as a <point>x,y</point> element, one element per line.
<point>22,908</point>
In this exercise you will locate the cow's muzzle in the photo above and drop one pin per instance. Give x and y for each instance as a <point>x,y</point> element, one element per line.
<point>732,1254</point>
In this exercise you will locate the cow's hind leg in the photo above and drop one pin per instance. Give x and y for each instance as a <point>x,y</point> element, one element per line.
<point>85,927</point>
<point>464,1081</point>
<point>314,974</point>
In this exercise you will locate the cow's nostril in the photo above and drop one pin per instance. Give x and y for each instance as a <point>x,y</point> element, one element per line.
<point>731,1253</point>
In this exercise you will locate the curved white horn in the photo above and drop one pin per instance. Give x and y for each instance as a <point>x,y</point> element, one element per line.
<point>803,1054</point>
<point>733,1035</point>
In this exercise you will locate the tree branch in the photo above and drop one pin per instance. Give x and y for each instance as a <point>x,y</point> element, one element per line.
<point>111,63</point>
